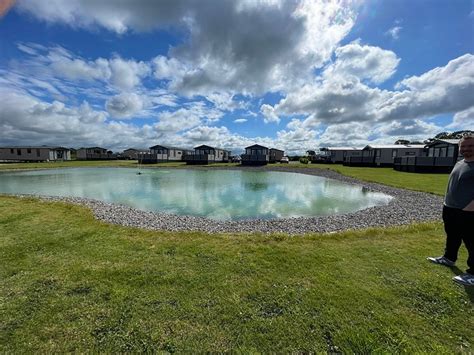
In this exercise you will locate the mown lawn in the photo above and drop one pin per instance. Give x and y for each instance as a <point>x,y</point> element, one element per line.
<point>431,183</point>
<point>71,283</point>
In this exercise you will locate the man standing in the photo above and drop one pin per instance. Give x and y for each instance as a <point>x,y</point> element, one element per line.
<point>458,212</point>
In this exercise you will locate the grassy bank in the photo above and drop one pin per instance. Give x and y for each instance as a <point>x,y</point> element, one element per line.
<point>431,183</point>
<point>71,283</point>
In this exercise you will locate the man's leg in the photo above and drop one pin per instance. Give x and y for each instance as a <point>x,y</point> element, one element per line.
<point>468,238</point>
<point>453,228</point>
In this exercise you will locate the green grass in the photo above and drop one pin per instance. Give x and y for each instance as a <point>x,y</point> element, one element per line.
<point>71,283</point>
<point>431,183</point>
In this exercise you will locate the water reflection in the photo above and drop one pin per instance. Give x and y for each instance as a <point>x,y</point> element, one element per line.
<point>217,194</point>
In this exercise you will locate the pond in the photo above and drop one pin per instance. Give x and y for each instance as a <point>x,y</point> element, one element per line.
<point>216,194</point>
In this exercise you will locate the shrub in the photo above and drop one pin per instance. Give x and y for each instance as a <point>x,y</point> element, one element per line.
<point>304,160</point>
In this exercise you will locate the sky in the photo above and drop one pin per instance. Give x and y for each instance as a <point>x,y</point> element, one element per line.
<point>294,75</point>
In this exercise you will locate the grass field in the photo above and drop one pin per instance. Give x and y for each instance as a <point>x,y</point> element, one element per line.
<point>431,183</point>
<point>71,283</point>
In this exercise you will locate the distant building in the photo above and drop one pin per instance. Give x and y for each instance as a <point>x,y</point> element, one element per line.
<point>337,155</point>
<point>162,154</point>
<point>259,155</point>
<point>205,154</point>
<point>276,155</point>
<point>439,156</point>
<point>132,153</point>
<point>384,155</point>
<point>34,153</point>
<point>94,153</point>
<point>256,155</point>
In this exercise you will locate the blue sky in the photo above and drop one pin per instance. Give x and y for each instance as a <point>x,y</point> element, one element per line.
<point>295,75</point>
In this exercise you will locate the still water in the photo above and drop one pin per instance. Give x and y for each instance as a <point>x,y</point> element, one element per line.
<point>217,194</point>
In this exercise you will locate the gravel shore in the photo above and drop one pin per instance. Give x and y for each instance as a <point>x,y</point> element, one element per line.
<point>406,207</point>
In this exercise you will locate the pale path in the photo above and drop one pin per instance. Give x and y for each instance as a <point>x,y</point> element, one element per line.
<point>406,207</point>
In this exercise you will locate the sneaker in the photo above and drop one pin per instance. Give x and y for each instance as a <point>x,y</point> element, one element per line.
<point>441,260</point>
<point>464,279</point>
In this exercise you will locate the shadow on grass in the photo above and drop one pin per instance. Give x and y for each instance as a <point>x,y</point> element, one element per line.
<point>469,289</point>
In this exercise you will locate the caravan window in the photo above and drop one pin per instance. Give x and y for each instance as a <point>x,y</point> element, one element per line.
<point>451,151</point>
<point>394,153</point>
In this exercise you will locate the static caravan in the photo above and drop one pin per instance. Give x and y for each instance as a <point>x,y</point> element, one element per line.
<point>133,153</point>
<point>94,153</point>
<point>256,155</point>
<point>338,155</point>
<point>276,155</point>
<point>162,154</point>
<point>440,157</point>
<point>205,154</point>
<point>320,156</point>
<point>384,155</point>
<point>27,153</point>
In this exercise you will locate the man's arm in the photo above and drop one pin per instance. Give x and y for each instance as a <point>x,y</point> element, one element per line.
<point>469,207</point>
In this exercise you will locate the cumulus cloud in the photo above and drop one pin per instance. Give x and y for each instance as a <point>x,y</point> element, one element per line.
<point>180,120</point>
<point>209,135</point>
<point>335,100</point>
<point>124,105</point>
<point>340,99</point>
<point>236,46</point>
<point>364,62</point>
<point>463,119</point>
<point>126,74</point>
<point>409,128</point>
<point>24,118</point>
<point>269,114</point>
<point>230,55</point>
<point>441,90</point>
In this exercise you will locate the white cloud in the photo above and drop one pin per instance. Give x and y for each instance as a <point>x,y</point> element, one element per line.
<point>269,114</point>
<point>338,99</point>
<point>364,62</point>
<point>124,105</point>
<point>441,90</point>
<point>180,120</point>
<point>240,120</point>
<point>409,128</point>
<point>335,100</point>
<point>463,119</point>
<point>209,135</point>
<point>126,74</point>
<point>394,32</point>
<point>230,46</point>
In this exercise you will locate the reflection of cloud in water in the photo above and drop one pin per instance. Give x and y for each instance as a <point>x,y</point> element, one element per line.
<point>219,194</point>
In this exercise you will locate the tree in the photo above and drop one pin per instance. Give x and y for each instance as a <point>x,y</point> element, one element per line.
<point>402,142</point>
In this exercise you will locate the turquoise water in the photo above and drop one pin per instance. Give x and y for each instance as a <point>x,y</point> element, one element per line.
<point>217,194</point>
